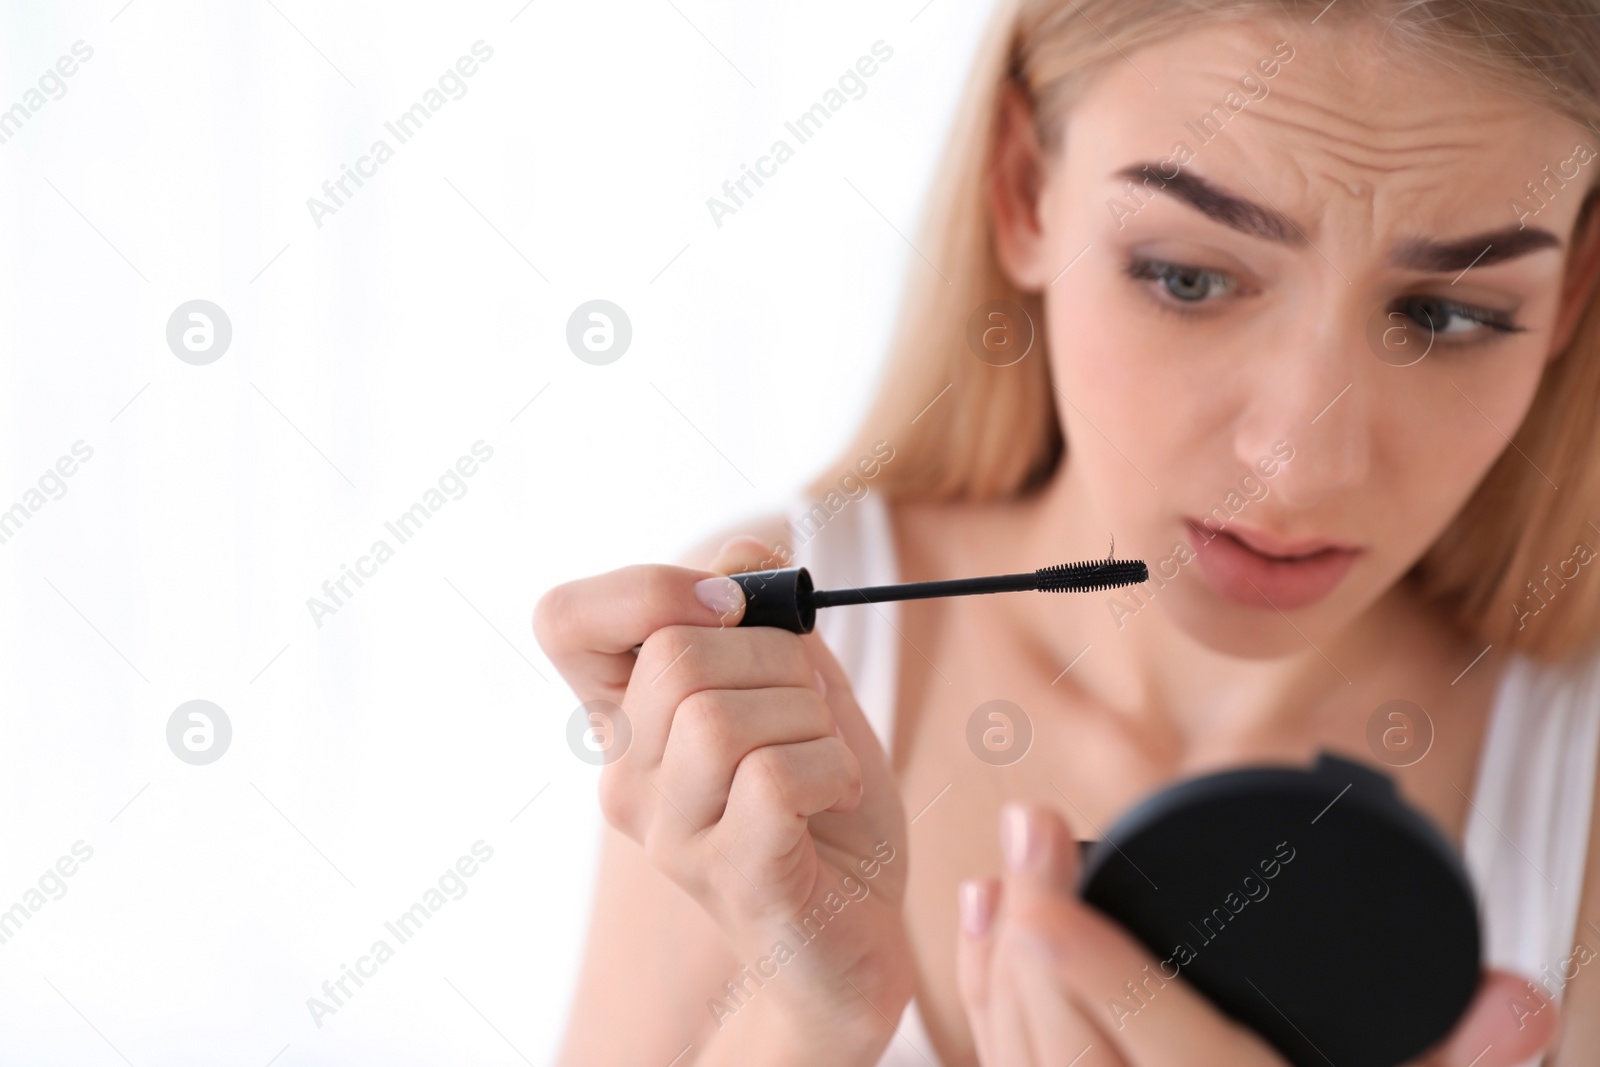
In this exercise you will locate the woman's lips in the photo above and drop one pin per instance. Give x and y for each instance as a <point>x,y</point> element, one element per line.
<point>1247,566</point>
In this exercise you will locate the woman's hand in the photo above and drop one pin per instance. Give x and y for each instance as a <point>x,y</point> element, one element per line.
<point>1040,972</point>
<point>791,835</point>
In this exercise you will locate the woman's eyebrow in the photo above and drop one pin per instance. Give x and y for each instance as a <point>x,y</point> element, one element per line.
<point>1444,257</point>
<point>1216,203</point>
<point>1414,253</point>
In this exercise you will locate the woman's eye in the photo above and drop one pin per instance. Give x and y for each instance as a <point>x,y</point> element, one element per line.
<point>1185,289</point>
<point>1183,284</point>
<point>1446,318</point>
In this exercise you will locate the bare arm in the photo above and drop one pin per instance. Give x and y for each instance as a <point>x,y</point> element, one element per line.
<point>654,959</point>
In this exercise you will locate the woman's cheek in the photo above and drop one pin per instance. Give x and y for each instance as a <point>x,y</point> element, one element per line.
<point>1102,360</point>
<point>1444,430</point>
<point>1124,416</point>
<point>1101,383</point>
<point>1132,381</point>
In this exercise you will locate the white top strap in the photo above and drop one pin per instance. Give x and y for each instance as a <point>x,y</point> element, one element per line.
<point>849,548</point>
<point>1527,833</point>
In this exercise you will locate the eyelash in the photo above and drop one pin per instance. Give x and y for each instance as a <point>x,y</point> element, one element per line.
<point>1141,268</point>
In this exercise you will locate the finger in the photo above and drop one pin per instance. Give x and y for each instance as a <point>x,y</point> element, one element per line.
<point>1059,1027</point>
<point>1009,1039</point>
<point>587,627</point>
<point>977,899</point>
<point>1042,859</point>
<point>714,729</point>
<point>677,661</point>
<point>744,553</point>
<point>1142,1005</point>
<point>837,690</point>
<point>776,789</point>
<point>1509,1020</point>
<point>1098,964</point>
<point>881,804</point>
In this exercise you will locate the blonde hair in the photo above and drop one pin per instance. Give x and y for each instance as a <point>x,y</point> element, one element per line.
<point>963,428</point>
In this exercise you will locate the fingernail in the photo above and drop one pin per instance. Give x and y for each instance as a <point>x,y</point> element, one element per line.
<point>721,595</point>
<point>819,682</point>
<point>1020,839</point>
<point>977,907</point>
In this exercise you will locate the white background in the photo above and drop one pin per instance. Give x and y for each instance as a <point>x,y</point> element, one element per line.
<point>368,354</point>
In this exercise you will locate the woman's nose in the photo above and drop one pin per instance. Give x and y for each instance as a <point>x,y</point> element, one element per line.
<point>1318,399</point>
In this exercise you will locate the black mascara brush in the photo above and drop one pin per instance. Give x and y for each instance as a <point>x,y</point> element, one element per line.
<point>786,598</point>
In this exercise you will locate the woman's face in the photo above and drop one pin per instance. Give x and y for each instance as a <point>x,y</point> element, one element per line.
<point>1319,335</point>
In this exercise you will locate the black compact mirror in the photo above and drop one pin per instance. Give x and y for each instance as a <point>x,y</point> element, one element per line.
<point>1314,906</point>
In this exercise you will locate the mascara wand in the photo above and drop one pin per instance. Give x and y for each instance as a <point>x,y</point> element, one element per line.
<point>786,598</point>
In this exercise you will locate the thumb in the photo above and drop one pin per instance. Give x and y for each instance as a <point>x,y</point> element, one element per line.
<point>1041,853</point>
<point>1509,1020</point>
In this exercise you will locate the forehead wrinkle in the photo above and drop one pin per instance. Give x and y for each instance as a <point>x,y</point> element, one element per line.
<point>1367,144</point>
<point>1369,163</point>
<point>1369,167</point>
<point>1281,94</point>
<point>1487,107</point>
<point>1379,77</point>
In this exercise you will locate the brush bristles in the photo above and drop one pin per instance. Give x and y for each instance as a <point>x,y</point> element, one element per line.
<point>1087,577</point>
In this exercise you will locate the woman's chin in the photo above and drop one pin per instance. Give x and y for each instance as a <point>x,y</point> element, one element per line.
<point>1244,632</point>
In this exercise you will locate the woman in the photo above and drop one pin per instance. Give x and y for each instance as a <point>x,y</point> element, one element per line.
<point>1296,300</point>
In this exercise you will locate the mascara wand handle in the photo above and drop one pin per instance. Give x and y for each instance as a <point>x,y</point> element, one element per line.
<point>781,598</point>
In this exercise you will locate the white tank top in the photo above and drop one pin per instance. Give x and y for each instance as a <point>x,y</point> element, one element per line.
<point>1527,835</point>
